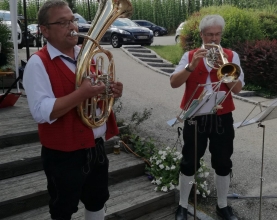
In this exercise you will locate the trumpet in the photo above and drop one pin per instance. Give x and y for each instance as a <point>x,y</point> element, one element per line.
<point>226,72</point>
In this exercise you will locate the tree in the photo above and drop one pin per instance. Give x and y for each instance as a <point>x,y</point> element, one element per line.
<point>71,5</point>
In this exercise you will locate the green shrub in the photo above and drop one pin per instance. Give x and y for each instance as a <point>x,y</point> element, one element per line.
<point>6,55</point>
<point>268,23</point>
<point>241,25</point>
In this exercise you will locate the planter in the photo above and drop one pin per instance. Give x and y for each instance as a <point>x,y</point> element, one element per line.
<point>5,73</point>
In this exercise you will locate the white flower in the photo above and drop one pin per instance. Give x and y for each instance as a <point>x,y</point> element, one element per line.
<point>167,148</point>
<point>158,182</point>
<point>205,183</point>
<point>200,169</point>
<point>161,166</point>
<point>158,162</point>
<point>178,187</point>
<point>171,186</point>
<point>156,188</point>
<point>200,175</point>
<point>208,192</point>
<point>203,195</point>
<point>160,152</point>
<point>206,174</point>
<point>153,182</point>
<point>172,167</point>
<point>167,168</point>
<point>163,157</point>
<point>174,159</point>
<point>197,192</point>
<point>202,186</point>
<point>164,188</point>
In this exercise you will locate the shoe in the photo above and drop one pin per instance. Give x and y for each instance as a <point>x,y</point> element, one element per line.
<point>181,213</point>
<point>226,213</point>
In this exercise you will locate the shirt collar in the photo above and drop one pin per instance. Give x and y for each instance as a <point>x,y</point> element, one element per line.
<point>54,52</point>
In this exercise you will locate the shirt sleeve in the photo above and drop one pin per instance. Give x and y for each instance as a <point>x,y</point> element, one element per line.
<point>236,60</point>
<point>182,64</point>
<point>38,89</point>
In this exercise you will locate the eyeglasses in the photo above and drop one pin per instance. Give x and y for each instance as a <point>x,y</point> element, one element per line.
<point>212,35</point>
<point>66,23</point>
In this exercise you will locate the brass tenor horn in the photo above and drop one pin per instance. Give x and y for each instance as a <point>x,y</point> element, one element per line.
<point>106,14</point>
<point>226,72</point>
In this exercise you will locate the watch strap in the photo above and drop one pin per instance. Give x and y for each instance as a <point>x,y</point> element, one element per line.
<point>188,69</point>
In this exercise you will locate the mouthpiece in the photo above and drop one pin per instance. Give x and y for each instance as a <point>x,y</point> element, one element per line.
<point>73,33</point>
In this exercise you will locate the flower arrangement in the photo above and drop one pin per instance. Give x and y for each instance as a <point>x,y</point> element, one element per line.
<point>165,169</point>
<point>201,176</point>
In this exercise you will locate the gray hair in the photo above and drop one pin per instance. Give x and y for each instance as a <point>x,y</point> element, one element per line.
<point>43,16</point>
<point>211,20</point>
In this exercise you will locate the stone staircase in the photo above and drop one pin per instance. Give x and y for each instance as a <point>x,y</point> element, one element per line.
<point>23,193</point>
<point>150,59</point>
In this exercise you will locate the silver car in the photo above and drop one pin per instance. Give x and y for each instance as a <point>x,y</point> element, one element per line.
<point>5,16</point>
<point>178,32</point>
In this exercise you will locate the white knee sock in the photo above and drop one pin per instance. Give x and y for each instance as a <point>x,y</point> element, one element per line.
<point>222,184</point>
<point>99,215</point>
<point>185,187</point>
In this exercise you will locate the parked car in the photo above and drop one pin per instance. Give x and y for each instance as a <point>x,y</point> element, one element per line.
<point>123,31</point>
<point>83,26</point>
<point>35,30</point>
<point>178,32</point>
<point>5,16</point>
<point>30,37</point>
<point>157,30</point>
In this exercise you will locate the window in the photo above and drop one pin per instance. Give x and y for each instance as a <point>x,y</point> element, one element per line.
<point>5,16</point>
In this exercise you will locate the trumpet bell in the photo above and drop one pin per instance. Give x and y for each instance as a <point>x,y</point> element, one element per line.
<point>228,72</point>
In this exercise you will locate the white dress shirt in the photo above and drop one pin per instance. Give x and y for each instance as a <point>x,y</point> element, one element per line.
<point>185,60</point>
<point>37,86</point>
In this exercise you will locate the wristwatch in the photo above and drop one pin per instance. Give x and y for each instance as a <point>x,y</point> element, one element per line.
<point>188,69</point>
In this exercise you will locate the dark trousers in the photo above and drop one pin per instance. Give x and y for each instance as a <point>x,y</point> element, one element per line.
<point>73,176</point>
<point>219,131</point>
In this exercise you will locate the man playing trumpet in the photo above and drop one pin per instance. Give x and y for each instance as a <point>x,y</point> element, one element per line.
<point>217,128</point>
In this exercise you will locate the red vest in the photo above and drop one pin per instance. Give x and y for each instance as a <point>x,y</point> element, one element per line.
<point>67,133</point>
<point>199,76</point>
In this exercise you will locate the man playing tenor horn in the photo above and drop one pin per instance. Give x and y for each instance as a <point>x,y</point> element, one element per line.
<point>73,155</point>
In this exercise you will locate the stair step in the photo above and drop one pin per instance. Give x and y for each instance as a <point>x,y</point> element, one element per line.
<point>133,198</point>
<point>26,135</point>
<point>28,191</point>
<point>20,159</point>
<point>25,158</point>
<point>144,55</point>
<point>165,213</point>
<point>167,70</point>
<point>160,64</point>
<point>139,50</point>
<point>129,200</point>
<point>17,126</point>
<point>155,60</point>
